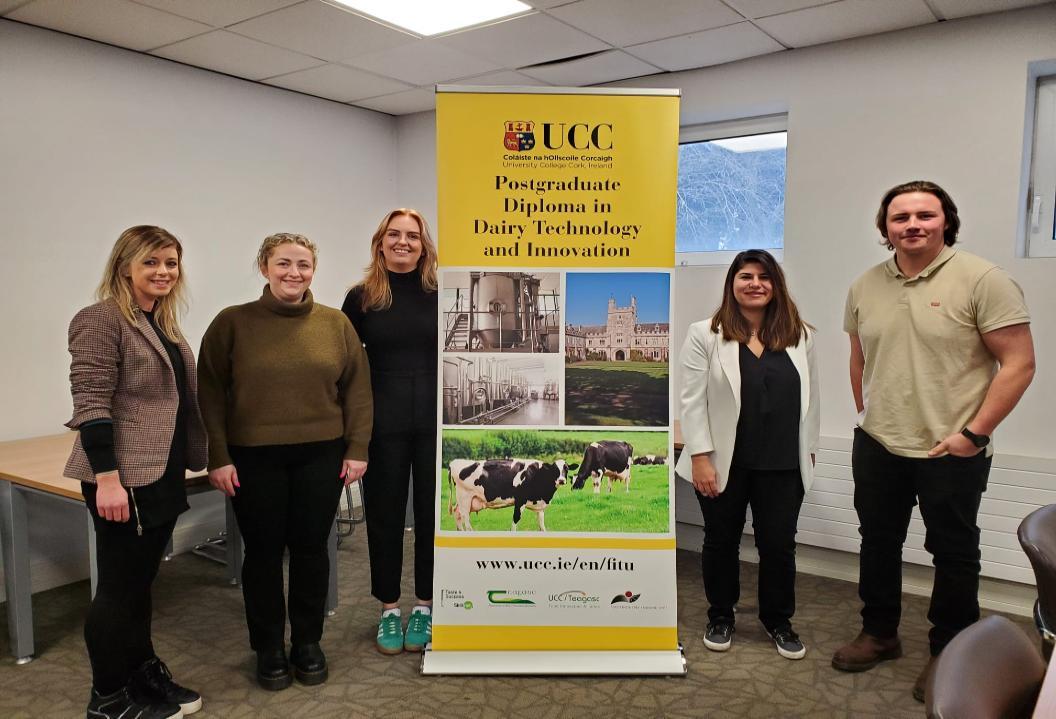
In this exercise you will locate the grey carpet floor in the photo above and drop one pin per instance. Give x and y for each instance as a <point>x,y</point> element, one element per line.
<point>199,630</point>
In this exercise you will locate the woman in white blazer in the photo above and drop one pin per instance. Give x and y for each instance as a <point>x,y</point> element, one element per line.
<point>750,422</point>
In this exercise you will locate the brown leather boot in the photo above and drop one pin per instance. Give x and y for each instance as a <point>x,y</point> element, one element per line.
<point>865,652</point>
<point>922,680</point>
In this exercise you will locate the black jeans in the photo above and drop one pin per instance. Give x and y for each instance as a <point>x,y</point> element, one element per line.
<point>117,628</point>
<point>949,489</point>
<point>775,498</point>
<point>287,500</point>
<point>402,447</point>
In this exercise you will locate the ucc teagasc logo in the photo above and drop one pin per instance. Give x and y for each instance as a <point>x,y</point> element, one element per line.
<point>628,597</point>
<point>501,596</point>
<point>519,135</point>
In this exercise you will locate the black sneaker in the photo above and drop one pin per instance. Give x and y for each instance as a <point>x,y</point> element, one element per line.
<point>787,643</point>
<point>152,683</point>
<point>719,636</point>
<point>121,705</point>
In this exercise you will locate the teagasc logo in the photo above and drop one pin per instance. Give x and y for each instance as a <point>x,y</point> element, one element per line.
<point>520,136</point>
<point>574,596</point>
<point>628,597</point>
<point>503,597</point>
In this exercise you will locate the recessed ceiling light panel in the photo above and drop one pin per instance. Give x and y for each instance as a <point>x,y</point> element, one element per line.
<point>430,17</point>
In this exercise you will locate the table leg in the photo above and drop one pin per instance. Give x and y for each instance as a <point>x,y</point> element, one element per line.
<point>93,557</point>
<point>234,544</point>
<point>14,538</point>
<point>331,550</point>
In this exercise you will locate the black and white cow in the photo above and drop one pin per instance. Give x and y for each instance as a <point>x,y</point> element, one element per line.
<point>644,459</point>
<point>607,458</point>
<point>496,483</point>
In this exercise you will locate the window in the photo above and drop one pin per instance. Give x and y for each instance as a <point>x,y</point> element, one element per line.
<point>731,190</point>
<point>1039,216</point>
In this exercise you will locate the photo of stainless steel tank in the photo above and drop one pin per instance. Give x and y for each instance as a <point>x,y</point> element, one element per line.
<point>502,312</point>
<point>483,390</point>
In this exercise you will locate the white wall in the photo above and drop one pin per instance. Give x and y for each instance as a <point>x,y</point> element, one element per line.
<point>943,102</point>
<point>94,139</point>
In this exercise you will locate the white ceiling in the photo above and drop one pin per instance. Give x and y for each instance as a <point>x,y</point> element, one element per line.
<point>312,47</point>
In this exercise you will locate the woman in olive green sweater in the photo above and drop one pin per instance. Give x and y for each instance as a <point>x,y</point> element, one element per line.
<point>284,388</point>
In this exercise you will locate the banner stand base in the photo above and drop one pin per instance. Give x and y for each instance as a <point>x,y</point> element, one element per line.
<point>610,662</point>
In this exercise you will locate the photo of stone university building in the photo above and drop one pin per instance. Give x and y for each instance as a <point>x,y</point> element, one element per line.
<point>620,339</point>
<point>616,373</point>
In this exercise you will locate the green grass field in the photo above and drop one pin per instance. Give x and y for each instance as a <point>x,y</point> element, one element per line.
<point>643,510</point>
<point>616,393</point>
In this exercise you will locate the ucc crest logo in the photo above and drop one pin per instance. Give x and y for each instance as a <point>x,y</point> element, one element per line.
<point>519,135</point>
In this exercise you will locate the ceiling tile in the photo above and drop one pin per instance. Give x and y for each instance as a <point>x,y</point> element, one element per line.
<point>603,67</point>
<point>117,22</point>
<point>236,55</point>
<point>845,19</point>
<point>424,62</point>
<point>762,8</point>
<point>321,30</point>
<point>401,103</point>
<point>543,4</point>
<point>962,8</point>
<point>505,78</point>
<point>337,82</point>
<point>8,5</point>
<point>524,40</point>
<point>218,13</point>
<point>711,47</point>
<point>629,22</point>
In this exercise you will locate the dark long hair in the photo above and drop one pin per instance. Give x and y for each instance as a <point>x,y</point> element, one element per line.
<point>782,326</point>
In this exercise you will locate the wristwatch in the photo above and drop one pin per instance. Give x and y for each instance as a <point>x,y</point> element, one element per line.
<point>979,440</point>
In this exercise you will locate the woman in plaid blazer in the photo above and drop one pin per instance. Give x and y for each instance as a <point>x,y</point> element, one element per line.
<point>135,406</point>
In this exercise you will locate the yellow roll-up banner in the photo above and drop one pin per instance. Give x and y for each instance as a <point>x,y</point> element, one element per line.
<point>555,511</point>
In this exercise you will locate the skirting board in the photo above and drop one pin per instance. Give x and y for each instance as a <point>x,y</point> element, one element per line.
<point>558,663</point>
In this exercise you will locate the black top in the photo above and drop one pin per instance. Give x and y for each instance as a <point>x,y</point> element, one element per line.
<point>768,428</point>
<point>403,337</point>
<point>155,503</point>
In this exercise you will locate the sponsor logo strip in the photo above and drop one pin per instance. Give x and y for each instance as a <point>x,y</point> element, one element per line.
<point>505,638</point>
<point>555,542</point>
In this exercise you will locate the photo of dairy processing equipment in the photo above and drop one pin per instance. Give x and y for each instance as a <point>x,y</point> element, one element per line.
<point>496,390</point>
<point>502,312</point>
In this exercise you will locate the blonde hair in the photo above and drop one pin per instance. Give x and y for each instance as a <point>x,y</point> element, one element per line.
<point>377,295</point>
<point>133,245</point>
<point>267,247</point>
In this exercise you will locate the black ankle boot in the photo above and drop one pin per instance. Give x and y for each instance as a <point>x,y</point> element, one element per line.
<point>273,671</point>
<point>121,704</point>
<point>309,663</point>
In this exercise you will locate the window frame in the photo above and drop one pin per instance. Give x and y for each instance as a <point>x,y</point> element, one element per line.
<point>728,129</point>
<point>1038,176</point>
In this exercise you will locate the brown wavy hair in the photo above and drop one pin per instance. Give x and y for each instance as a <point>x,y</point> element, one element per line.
<point>949,209</point>
<point>781,327</point>
<point>133,245</point>
<point>377,295</point>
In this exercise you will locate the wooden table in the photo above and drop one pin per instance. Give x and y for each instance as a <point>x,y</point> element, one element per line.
<point>34,466</point>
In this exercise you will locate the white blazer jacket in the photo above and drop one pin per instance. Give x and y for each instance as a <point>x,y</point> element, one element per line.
<point>711,401</point>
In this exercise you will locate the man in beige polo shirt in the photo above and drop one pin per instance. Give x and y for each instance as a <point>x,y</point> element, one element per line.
<point>940,353</point>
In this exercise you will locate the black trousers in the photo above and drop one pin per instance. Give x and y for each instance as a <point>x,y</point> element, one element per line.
<point>287,501</point>
<point>403,446</point>
<point>949,490</point>
<point>117,628</point>
<point>775,498</point>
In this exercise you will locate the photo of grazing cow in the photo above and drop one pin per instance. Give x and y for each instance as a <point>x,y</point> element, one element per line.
<point>610,459</point>
<point>489,479</point>
<point>642,460</point>
<point>496,483</point>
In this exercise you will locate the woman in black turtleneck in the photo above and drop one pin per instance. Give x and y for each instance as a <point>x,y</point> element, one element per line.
<point>394,311</point>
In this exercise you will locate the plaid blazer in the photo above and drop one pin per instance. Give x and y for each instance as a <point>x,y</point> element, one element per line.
<point>121,372</point>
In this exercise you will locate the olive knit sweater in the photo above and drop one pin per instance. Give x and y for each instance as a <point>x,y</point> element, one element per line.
<point>270,372</point>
